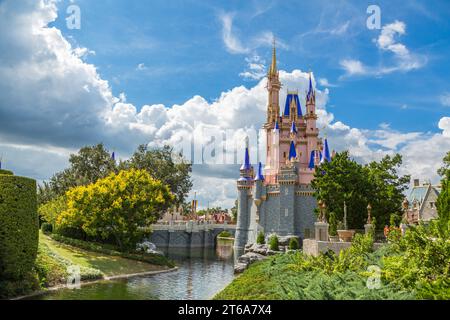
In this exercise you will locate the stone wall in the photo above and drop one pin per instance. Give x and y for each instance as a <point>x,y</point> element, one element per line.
<point>314,247</point>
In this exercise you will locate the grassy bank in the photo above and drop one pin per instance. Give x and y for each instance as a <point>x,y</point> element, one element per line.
<point>108,265</point>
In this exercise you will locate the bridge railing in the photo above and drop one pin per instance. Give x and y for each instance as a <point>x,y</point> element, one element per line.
<point>190,226</point>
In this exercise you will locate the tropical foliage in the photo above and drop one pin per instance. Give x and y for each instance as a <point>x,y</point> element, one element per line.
<point>414,267</point>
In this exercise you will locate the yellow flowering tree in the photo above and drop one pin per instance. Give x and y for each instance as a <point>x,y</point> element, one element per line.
<point>119,206</point>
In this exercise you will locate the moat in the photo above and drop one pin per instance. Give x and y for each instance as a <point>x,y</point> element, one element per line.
<point>201,274</point>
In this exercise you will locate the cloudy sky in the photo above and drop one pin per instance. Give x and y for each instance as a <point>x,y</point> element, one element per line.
<point>160,71</point>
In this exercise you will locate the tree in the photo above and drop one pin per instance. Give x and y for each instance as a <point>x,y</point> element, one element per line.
<point>87,166</point>
<point>444,171</point>
<point>387,188</point>
<point>50,211</point>
<point>339,181</point>
<point>91,164</point>
<point>166,166</point>
<point>121,206</point>
<point>377,183</point>
<point>443,201</point>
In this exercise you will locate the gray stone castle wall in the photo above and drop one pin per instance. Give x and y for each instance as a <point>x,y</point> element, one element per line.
<point>288,210</point>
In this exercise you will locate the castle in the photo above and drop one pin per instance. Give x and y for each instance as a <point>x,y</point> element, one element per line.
<point>279,198</point>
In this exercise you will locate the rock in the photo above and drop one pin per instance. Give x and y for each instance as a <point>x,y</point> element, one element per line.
<point>271,252</point>
<point>284,240</point>
<point>260,249</point>
<point>256,248</point>
<point>240,267</point>
<point>250,257</point>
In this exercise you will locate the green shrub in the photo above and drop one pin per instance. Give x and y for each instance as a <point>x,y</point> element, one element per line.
<point>6,172</point>
<point>15,288</point>
<point>19,227</point>
<point>225,234</point>
<point>273,243</point>
<point>260,239</point>
<point>293,244</point>
<point>70,232</point>
<point>46,228</point>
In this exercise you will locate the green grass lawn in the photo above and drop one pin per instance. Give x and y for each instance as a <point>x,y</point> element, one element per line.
<point>108,265</point>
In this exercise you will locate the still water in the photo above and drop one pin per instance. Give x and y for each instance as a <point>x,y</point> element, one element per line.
<point>201,274</point>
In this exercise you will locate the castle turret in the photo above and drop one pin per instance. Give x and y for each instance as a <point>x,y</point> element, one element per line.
<point>244,186</point>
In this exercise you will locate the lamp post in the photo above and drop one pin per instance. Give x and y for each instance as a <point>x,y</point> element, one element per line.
<point>324,207</point>
<point>321,226</point>
<point>345,215</point>
<point>368,226</point>
<point>320,203</point>
<point>405,206</point>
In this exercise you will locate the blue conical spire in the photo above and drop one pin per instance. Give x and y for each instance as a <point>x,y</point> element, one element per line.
<point>326,152</point>
<point>259,176</point>
<point>310,90</point>
<point>277,126</point>
<point>311,159</point>
<point>292,151</point>
<point>293,127</point>
<point>246,165</point>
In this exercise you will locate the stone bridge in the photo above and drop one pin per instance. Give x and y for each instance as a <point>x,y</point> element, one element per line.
<point>188,234</point>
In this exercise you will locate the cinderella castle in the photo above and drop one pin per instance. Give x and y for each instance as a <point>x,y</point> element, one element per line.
<point>279,198</point>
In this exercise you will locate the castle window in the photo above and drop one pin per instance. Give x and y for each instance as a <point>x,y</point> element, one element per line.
<point>284,155</point>
<point>286,212</point>
<point>432,205</point>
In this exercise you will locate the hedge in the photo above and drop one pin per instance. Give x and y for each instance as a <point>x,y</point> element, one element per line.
<point>19,227</point>
<point>6,172</point>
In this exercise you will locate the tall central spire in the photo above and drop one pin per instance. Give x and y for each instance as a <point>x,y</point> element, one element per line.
<point>273,87</point>
<point>273,67</point>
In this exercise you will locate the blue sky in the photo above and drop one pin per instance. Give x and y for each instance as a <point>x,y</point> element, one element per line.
<point>161,72</point>
<point>181,46</point>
